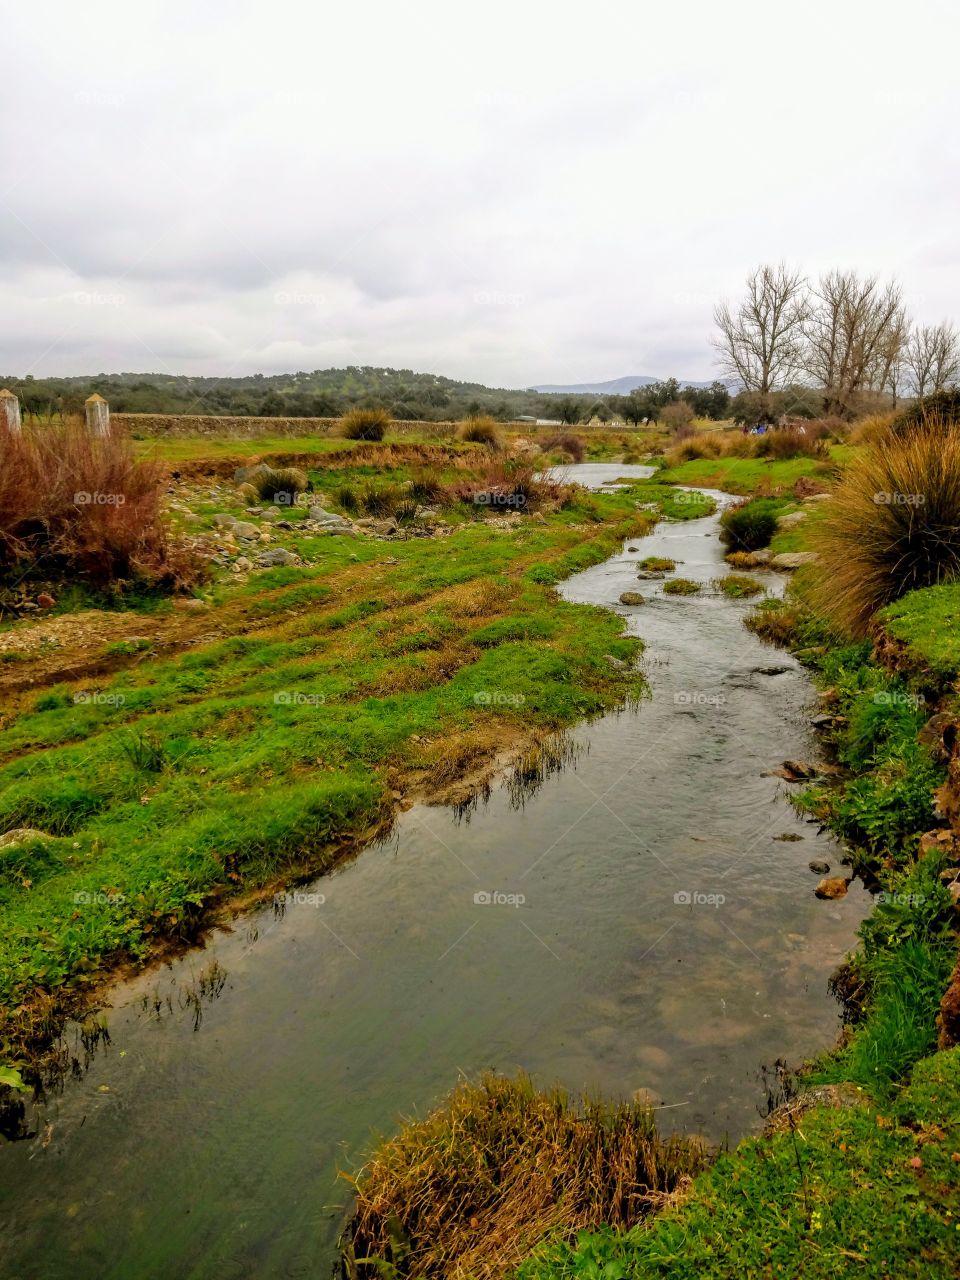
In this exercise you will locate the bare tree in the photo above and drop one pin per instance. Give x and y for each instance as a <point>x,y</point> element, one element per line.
<point>933,358</point>
<point>855,330</point>
<point>761,340</point>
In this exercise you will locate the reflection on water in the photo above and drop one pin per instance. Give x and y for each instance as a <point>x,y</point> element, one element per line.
<point>624,915</point>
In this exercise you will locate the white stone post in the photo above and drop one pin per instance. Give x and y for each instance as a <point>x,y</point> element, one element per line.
<point>10,412</point>
<point>98,415</point>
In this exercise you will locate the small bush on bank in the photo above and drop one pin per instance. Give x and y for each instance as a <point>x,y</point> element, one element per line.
<point>893,524</point>
<point>502,487</point>
<point>481,431</point>
<point>281,486</point>
<point>750,526</point>
<point>82,505</point>
<point>565,442</point>
<point>365,424</point>
<point>473,1187</point>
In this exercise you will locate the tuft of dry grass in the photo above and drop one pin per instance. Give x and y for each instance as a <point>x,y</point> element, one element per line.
<point>365,424</point>
<point>892,526</point>
<point>72,503</point>
<point>873,428</point>
<point>565,442</point>
<point>469,1190</point>
<point>481,430</point>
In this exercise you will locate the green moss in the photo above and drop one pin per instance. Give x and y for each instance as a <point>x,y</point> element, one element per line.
<point>928,623</point>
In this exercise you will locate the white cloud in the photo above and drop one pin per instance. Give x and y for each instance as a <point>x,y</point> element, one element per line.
<point>522,193</point>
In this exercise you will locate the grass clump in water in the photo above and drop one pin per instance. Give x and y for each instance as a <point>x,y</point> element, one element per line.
<point>680,587</point>
<point>738,586</point>
<point>472,1188</point>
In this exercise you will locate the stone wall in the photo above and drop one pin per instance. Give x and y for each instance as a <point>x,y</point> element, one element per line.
<point>164,424</point>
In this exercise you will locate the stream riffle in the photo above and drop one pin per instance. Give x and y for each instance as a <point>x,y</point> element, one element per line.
<point>668,939</point>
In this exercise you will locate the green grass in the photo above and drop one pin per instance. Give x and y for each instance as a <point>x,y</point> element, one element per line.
<point>928,623</point>
<point>747,476</point>
<point>738,586</point>
<point>870,1191</point>
<point>681,587</point>
<point>211,773</point>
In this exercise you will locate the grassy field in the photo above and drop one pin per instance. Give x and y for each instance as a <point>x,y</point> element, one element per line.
<point>304,705</point>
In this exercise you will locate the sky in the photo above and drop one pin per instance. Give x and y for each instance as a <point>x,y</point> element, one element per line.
<point>510,193</point>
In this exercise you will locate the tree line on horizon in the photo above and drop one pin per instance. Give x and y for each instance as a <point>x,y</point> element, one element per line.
<point>840,346</point>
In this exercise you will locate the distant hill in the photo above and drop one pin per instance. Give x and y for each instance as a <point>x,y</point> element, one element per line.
<point>615,387</point>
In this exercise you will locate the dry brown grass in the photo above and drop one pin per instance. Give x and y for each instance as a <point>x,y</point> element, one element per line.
<point>76,504</point>
<point>565,442</point>
<point>468,1191</point>
<point>872,429</point>
<point>893,525</point>
<point>365,424</point>
<point>482,430</point>
<point>795,440</point>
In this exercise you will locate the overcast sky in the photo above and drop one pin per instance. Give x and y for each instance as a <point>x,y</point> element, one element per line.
<point>511,192</point>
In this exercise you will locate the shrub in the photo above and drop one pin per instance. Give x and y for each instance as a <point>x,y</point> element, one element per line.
<point>565,442</point>
<point>510,486</point>
<point>893,524</point>
<point>473,1187</point>
<point>82,504</point>
<point>365,424</point>
<point>938,410</point>
<point>481,431</point>
<point>749,525</point>
<point>426,486</point>
<point>789,442</point>
<point>281,486</point>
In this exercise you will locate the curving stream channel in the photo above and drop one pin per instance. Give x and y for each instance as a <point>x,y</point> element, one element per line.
<point>668,940</point>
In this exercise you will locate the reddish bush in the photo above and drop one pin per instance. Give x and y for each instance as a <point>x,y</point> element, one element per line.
<point>73,503</point>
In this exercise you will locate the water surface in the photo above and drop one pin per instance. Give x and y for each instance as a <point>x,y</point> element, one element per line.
<point>667,940</point>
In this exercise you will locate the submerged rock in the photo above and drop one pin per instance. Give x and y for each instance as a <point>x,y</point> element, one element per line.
<point>836,888</point>
<point>819,867</point>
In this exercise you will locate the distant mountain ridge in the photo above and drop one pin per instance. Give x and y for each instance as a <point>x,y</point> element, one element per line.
<point>615,387</point>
